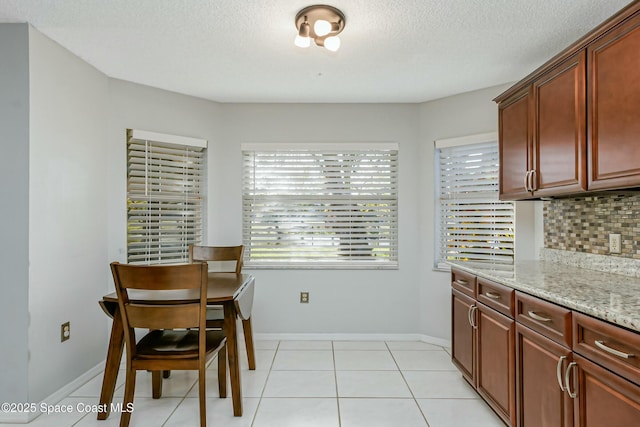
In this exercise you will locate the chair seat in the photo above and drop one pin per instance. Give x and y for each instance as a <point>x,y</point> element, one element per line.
<point>184,344</point>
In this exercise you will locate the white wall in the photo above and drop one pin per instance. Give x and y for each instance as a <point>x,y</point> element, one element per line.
<point>465,114</point>
<point>343,301</point>
<point>67,215</point>
<point>14,209</point>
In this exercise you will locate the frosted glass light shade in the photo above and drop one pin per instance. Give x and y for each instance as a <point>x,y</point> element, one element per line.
<point>332,43</point>
<point>321,27</point>
<point>302,41</point>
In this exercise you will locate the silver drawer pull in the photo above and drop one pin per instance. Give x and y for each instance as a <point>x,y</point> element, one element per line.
<point>602,346</point>
<point>536,316</point>
<point>559,372</point>
<point>492,295</point>
<point>461,282</point>
<point>567,374</point>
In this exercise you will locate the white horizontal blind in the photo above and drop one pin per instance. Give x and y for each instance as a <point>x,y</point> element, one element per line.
<point>474,224</point>
<point>164,200</point>
<point>320,208</point>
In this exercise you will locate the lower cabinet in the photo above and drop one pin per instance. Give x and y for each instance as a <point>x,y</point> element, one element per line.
<point>483,340</point>
<point>463,341</point>
<point>538,364</point>
<point>604,398</point>
<point>496,364</point>
<point>542,400</point>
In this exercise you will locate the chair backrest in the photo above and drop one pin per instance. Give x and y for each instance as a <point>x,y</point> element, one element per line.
<point>157,310</point>
<point>218,253</point>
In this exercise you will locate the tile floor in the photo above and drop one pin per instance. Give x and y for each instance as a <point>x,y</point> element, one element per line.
<point>308,384</point>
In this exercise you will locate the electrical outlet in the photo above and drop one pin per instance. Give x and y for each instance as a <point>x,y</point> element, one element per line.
<point>304,297</point>
<point>615,244</point>
<point>65,331</point>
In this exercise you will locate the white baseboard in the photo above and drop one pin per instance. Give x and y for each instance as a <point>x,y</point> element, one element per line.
<point>52,399</point>
<point>352,337</point>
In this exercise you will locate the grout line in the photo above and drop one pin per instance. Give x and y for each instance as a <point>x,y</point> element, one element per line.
<point>407,384</point>
<point>264,387</point>
<point>335,378</point>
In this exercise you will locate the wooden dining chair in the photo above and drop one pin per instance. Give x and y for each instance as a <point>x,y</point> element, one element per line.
<point>215,313</point>
<point>176,338</point>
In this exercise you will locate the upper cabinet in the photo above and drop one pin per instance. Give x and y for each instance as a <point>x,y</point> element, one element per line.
<point>571,126</point>
<point>614,108</point>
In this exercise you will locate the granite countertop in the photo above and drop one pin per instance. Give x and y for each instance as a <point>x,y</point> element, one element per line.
<point>607,296</point>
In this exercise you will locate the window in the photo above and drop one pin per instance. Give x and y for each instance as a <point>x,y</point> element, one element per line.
<point>320,205</point>
<point>473,225</point>
<point>164,196</point>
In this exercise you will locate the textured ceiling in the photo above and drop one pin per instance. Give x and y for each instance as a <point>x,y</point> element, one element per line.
<point>242,50</point>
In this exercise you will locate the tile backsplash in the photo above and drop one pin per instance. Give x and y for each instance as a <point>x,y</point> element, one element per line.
<point>583,224</point>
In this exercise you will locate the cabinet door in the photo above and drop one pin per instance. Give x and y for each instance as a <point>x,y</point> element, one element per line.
<point>540,400</point>
<point>560,129</point>
<point>496,362</point>
<point>463,337</point>
<point>604,398</point>
<point>614,108</point>
<point>515,146</point>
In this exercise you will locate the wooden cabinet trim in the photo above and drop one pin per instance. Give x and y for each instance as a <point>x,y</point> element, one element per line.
<point>619,18</point>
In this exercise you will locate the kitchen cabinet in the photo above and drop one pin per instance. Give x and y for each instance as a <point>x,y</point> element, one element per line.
<point>463,336</point>
<point>614,108</point>
<point>543,355</point>
<point>606,375</point>
<point>496,362</point>
<point>483,333</point>
<point>571,125</point>
<point>542,134</point>
<point>514,146</point>
<point>537,363</point>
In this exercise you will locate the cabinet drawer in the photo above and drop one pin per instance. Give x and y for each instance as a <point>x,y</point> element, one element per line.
<point>551,320</point>
<point>499,297</point>
<point>463,282</point>
<point>611,346</point>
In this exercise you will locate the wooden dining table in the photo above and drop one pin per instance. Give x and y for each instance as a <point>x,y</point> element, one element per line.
<point>233,291</point>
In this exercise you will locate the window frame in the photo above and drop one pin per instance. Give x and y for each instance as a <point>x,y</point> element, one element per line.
<point>441,259</point>
<point>165,196</point>
<point>297,201</point>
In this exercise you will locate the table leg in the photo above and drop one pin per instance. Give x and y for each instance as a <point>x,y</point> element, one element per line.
<point>114,355</point>
<point>248,339</point>
<point>230,316</point>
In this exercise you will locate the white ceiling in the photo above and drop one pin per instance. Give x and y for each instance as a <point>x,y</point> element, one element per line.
<point>242,50</point>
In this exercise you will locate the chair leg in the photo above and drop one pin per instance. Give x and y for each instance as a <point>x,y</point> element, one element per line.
<point>202,386</point>
<point>156,384</point>
<point>222,372</point>
<point>129,389</point>
<point>248,340</point>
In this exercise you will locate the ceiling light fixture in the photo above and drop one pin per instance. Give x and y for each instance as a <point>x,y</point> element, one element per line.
<point>321,23</point>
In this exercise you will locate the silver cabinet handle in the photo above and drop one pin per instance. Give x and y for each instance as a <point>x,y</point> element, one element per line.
<point>526,182</point>
<point>471,317</point>
<point>492,295</point>
<point>559,372</point>
<point>602,346</point>
<point>536,316</point>
<point>461,282</point>
<point>533,185</point>
<point>567,374</point>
